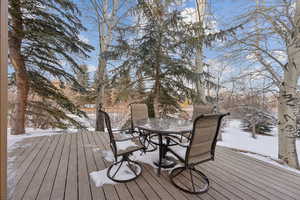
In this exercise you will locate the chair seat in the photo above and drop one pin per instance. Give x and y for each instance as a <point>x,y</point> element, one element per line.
<point>128,145</point>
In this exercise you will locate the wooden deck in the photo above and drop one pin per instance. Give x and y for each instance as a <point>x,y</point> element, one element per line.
<point>58,167</point>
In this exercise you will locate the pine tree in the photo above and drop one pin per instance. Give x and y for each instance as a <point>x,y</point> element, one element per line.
<point>43,43</point>
<point>159,52</point>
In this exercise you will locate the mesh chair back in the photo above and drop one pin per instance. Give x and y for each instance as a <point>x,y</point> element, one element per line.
<point>204,138</point>
<point>138,112</point>
<point>109,130</point>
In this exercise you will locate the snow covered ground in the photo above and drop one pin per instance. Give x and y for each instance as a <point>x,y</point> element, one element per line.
<point>12,140</point>
<point>264,147</point>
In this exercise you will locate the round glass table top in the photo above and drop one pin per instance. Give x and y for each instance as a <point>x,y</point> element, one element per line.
<point>165,125</point>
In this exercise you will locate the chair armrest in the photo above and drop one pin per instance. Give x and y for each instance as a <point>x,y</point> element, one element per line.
<point>121,130</point>
<point>126,139</point>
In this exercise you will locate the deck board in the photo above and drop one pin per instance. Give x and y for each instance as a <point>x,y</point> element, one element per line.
<point>72,179</point>
<point>58,167</point>
<point>39,174</point>
<point>266,177</point>
<point>253,176</point>
<point>47,185</point>
<point>29,169</point>
<point>58,191</point>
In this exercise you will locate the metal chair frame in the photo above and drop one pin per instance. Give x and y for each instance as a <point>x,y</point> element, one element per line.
<point>191,166</point>
<point>125,155</point>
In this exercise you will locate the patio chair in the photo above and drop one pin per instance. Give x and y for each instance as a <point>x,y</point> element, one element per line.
<point>121,155</point>
<point>140,112</point>
<point>201,148</point>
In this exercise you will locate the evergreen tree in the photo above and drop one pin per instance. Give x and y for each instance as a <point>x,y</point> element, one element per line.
<point>81,98</point>
<point>157,52</point>
<point>43,44</point>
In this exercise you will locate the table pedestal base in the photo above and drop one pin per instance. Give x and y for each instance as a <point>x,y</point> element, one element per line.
<point>166,162</point>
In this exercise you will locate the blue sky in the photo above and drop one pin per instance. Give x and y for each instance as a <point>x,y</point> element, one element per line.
<point>223,12</point>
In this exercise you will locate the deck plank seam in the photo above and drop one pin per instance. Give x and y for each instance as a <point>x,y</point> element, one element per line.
<point>282,172</point>
<point>91,141</point>
<point>242,184</point>
<point>154,177</point>
<point>251,178</point>
<point>86,166</point>
<point>151,186</point>
<point>66,179</point>
<point>216,178</point>
<point>40,148</point>
<point>265,177</point>
<point>245,180</point>
<point>53,153</point>
<point>64,142</point>
<point>266,164</point>
<point>105,163</point>
<point>39,163</point>
<point>31,148</point>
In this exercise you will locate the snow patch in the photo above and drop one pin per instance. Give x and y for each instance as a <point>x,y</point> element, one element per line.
<point>125,173</point>
<point>236,138</point>
<point>31,132</point>
<point>11,174</point>
<point>122,145</point>
<point>108,155</point>
<point>100,178</point>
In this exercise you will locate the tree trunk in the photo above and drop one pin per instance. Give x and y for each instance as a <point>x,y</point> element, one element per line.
<point>288,126</point>
<point>282,145</point>
<point>200,96</point>
<point>100,94</point>
<point>289,95</point>
<point>105,21</point>
<point>156,99</point>
<point>101,80</point>
<point>199,99</point>
<point>22,85</point>
<point>19,113</point>
<point>253,131</point>
<point>156,102</point>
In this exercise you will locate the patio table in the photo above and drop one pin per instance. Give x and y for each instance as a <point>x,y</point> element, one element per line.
<point>164,128</point>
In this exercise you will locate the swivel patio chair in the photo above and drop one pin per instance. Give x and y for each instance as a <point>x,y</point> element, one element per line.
<point>140,112</point>
<point>121,156</point>
<point>201,148</point>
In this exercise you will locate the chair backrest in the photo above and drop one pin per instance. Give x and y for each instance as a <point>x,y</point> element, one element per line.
<point>138,112</point>
<point>204,138</point>
<point>109,130</point>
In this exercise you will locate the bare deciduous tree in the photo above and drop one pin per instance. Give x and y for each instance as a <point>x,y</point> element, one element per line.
<point>274,44</point>
<point>106,19</point>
